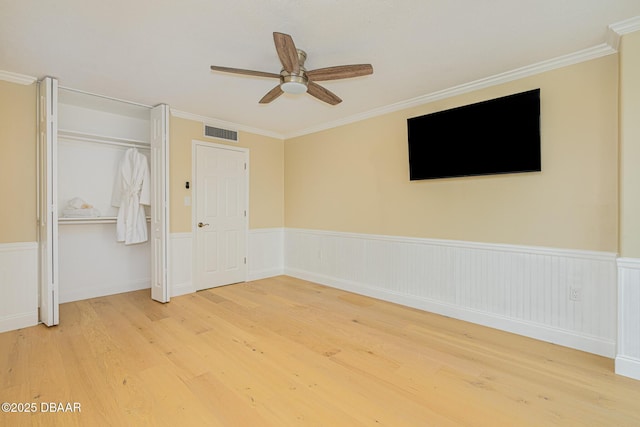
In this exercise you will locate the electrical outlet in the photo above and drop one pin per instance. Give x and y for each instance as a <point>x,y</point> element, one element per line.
<point>575,294</point>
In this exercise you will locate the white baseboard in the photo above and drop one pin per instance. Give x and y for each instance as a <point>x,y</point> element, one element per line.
<point>264,274</point>
<point>181,259</point>
<point>628,356</point>
<point>18,285</point>
<point>178,289</point>
<point>18,321</point>
<point>265,258</point>
<point>520,289</point>
<point>104,290</point>
<point>92,264</point>
<point>628,367</point>
<point>541,332</point>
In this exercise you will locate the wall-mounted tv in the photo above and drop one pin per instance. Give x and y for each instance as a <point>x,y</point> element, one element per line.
<point>498,136</point>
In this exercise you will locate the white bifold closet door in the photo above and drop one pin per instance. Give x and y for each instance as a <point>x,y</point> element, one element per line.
<point>48,200</point>
<point>159,203</point>
<point>47,197</point>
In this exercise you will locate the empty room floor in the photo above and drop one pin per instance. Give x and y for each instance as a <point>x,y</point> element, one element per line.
<point>286,352</point>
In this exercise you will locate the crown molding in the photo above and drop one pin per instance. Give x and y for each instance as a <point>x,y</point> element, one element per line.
<point>627,26</point>
<point>617,30</point>
<point>21,79</point>
<point>595,52</point>
<point>224,124</point>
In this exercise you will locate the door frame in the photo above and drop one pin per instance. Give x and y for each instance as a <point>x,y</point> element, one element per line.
<point>194,213</point>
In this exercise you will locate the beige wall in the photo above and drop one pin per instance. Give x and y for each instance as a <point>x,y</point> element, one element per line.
<point>630,145</point>
<point>17,163</point>
<point>266,179</point>
<point>355,178</point>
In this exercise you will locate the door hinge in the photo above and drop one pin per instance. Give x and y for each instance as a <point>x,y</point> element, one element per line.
<point>245,260</point>
<point>245,166</point>
<point>245,213</point>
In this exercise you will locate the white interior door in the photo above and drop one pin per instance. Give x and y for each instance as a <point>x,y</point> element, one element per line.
<point>220,215</point>
<point>159,203</point>
<point>47,210</point>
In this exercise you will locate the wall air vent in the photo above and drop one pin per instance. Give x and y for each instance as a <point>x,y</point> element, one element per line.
<point>226,134</point>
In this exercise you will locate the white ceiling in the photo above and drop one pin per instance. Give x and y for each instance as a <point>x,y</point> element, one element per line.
<point>159,51</point>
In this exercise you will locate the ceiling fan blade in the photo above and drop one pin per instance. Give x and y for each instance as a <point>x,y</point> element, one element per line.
<point>271,95</point>
<point>340,72</point>
<point>287,52</point>
<point>245,72</point>
<point>322,94</point>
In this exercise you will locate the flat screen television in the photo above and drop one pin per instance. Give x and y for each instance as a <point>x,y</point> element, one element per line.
<point>498,136</point>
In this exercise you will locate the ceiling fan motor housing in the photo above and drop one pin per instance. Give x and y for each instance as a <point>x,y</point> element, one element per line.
<point>292,82</point>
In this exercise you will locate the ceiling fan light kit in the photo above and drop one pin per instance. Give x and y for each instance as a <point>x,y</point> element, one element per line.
<point>294,83</point>
<point>295,79</point>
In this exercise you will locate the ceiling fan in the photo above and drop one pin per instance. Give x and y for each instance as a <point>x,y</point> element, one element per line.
<point>294,78</point>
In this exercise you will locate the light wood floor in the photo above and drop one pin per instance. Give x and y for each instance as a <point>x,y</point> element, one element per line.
<point>282,351</point>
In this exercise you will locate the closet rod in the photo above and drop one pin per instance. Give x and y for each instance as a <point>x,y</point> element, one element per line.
<point>104,141</point>
<point>104,97</point>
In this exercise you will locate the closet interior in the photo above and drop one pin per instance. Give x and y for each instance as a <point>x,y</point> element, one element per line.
<point>93,136</point>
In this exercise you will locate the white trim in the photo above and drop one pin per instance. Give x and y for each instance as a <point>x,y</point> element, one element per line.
<point>628,339</point>
<point>627,26</point>
<point>21,79</point>
<point>265,257</point>
<point>541,332</point>
<point>604,49</point>
<point>18,285</point>
<point>109,289</point>
<point>19,246</point>
<point>224,124</point>
<point>181,263</point>
<point>630,263</point>
<point>617,30</point>
<point>184,288</point>
<point>266,230</point>
<point>266,253</point>
<point>519,289</point>
<point>628,367</point>
<point>265,274</point>
<point>503,247</point>
<point>18,321</point>
<point>595,52</point>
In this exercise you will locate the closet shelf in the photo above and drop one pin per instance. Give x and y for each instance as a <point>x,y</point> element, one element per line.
<point>92,220</point>
<point>102,139</point>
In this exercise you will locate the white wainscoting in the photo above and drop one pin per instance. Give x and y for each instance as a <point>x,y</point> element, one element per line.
<point>92,264</point>
<point>265,257</point>
<point>181,261</point>
<point>18,285</point>
<point>519,289</point>
<point>628,356</point>
<point>266,253</point>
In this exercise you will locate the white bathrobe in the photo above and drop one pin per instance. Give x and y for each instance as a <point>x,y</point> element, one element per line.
<point>130,191</point>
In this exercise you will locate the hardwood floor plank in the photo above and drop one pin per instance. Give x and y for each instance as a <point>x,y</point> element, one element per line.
<point>283,351</point>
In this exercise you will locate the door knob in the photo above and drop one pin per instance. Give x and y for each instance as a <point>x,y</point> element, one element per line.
<point>200,224</point>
